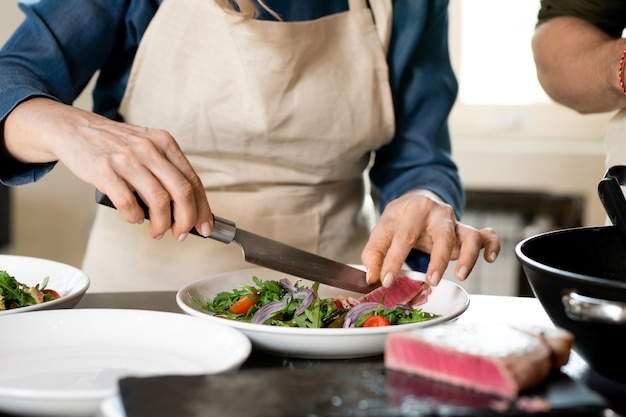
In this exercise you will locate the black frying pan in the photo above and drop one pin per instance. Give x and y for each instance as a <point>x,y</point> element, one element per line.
<point>579,276</point>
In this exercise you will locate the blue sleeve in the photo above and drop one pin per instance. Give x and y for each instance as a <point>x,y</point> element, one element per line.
<point>56,51</point>
<point>424,88</point>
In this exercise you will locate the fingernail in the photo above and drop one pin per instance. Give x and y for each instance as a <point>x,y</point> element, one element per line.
<point>182,236</point>
<point>435,278</point>
<point>205,229</point>
<point>388,280</point>
<point>493,256</point>
<point>159,237</point>
<point>463,273</point>
<point>367,276</point>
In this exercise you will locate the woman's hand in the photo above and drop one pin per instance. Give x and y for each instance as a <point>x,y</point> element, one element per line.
<point>420,220</point>
<point>118,159</point>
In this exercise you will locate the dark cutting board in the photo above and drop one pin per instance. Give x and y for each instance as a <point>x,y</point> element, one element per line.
<point>333,391</point>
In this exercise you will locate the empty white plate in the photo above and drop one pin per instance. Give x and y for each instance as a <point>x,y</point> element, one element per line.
<point>66,362</point>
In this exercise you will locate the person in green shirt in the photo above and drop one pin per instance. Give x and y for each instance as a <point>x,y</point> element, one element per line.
<point>578,48</point>
<point>580,58</point>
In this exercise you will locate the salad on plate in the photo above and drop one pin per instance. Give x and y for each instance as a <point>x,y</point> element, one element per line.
<point>14,294</point>
<point>283,303</point>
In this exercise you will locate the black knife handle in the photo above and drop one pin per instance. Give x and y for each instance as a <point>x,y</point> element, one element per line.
<point>223,229</point>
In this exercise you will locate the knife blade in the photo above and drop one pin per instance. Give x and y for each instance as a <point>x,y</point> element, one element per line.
<point>277,256</point>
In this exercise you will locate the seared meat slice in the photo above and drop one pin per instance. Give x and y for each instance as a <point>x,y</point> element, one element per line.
<point>490,358</point>
<point>404,291</point>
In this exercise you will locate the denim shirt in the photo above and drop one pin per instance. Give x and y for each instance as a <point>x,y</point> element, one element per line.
<point>59,47</point>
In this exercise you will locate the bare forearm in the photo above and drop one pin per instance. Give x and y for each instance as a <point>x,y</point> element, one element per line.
<point>26,127</point>
<point>577,65</point>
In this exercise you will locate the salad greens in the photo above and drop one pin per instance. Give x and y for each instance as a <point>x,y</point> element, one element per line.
<point>281,303</point>
<point>14,294</point>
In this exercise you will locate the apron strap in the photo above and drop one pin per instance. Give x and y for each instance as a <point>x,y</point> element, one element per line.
<point>382,11</point>
<point>357,4</point>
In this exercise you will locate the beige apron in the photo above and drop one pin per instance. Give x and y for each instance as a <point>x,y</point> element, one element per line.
<point>277,118</point>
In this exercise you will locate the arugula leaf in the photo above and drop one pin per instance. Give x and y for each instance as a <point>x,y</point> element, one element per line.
<point>13,294</point>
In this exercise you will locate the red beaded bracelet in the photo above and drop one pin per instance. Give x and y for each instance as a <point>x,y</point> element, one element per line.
<point>620,73</point>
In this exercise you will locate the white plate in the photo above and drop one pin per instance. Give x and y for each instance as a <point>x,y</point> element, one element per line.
<point>66,362</point>
<point>447,299</point>
<point>71,283</point>
<point>112,407</point>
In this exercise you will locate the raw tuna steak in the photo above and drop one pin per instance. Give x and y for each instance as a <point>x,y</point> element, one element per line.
<point>404,291</point>
<point>489,358</point>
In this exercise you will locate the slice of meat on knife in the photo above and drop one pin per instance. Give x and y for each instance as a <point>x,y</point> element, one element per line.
<point>495,359</point>
<point>404,291</point>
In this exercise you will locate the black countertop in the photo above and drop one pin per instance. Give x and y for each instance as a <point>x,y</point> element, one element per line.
<point>577,369</point>
<point>381,393</point>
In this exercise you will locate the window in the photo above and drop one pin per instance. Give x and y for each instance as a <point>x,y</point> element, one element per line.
<point>499,95</point>
<point>503,47</point>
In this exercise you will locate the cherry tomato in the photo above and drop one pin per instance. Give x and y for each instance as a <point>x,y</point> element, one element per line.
<point>244,304</point>
<point>375,321</point>
<point>53,293</point>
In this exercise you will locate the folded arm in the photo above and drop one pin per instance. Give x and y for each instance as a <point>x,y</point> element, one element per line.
<point>577,64</point>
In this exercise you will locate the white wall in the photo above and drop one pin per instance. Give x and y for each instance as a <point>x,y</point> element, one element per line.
<point>51,218</point>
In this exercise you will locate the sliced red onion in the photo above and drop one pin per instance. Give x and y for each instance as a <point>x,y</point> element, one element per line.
<point>287,284</point>
<point>267,311</point>
<point>353,315</point>
<point>307,295</point>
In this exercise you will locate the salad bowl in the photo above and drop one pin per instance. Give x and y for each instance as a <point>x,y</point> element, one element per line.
<point>448,300</point>
<point>69,282</point>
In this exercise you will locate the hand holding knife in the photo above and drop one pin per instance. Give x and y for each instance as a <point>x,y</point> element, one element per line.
<point>278,256</point>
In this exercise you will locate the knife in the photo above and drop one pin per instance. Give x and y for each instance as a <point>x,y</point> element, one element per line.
<point>278,256</point>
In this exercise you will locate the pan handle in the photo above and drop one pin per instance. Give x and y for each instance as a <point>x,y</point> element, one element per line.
<point>583,308</point>
<point>612,197</point>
